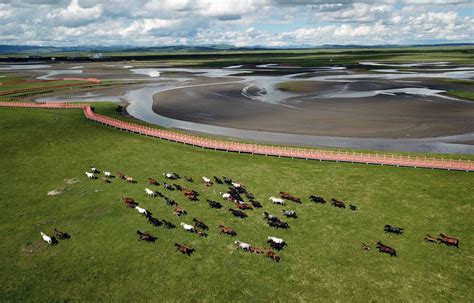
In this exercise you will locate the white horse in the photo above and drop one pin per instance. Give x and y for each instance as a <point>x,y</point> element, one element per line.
<point>243,246</point>
<point>90,175</point>
<point>187,227</point>
<point>149,192</point>
<point>169,175</point>
<point>46,238</point>
<point>276,240</point>
<point>276,200</point>
<point>225,195</point>
<point>142,210</point>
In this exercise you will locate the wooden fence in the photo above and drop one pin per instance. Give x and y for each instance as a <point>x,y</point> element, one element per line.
<point>260,149</point>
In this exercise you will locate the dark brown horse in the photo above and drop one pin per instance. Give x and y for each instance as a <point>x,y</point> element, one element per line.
<point>386,249</point>
<point>184,249</point>
<point>243,206</point>
<point>152,181</point>
<point>144,236</point>
<point>337,203</point>
<point>238,213</point>
<point>61,235</point>
<point>290,197</point>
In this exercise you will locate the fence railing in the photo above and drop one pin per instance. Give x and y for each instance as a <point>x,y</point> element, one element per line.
<point>260,149</point>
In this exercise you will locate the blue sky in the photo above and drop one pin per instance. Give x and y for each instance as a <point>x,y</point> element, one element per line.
<point>238,22</point>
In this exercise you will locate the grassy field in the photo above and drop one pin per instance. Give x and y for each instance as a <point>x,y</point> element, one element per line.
<point>15,82</point>
<point>323,261</point>
<point>462,94</point>
<point>301,57</point>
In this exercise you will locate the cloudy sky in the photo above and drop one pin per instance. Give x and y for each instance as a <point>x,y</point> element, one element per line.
<point>237,22</point>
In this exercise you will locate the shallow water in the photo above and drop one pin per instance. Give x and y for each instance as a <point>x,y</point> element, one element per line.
<point>53,73</point>
<point>460,75</point>
<point>369,63</point>
<point>420,91</point>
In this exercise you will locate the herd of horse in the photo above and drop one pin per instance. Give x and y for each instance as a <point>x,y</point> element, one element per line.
<point>239,208</point>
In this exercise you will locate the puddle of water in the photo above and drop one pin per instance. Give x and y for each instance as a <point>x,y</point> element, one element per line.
<point>233,66</point>
<point>50,74</point>
<point>463,75</point>
<point>370,63</point>
<point>423,91</point>
<point>267,65</point>
<point>150,72</point>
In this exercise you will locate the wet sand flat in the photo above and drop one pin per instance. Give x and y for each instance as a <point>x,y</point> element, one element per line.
<point>381,116</point>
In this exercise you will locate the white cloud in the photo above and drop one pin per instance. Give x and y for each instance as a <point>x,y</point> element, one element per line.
<point>437,2</point>
<point>74,15</point>
<point>239,22</point>
<point>357,12</point>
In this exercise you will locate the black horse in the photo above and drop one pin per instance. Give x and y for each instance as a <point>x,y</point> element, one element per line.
<point>317,199</point>
<point>238,213</point>
<point>393,229</point>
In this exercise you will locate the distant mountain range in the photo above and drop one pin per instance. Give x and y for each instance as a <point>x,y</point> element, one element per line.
<point>80,50</point>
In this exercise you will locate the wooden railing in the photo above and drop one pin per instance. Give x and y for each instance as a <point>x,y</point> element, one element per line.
<point>260,149</point>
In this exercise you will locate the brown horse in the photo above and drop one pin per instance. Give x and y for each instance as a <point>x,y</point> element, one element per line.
<point>226,230</point>
<point>152,181</point>
<point>178,211</point>
<point>129,202</point>
<point>256,250</point>
<point>272,255</point>
<point>450,241</point>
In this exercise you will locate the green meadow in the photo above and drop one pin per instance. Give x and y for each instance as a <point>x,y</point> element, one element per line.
<point>42,150</point>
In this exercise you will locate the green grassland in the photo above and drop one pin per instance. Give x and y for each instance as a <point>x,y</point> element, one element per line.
<point>301,57</point>
<point>103,261</point>
<point>462,94</point>
<point>15,82</point>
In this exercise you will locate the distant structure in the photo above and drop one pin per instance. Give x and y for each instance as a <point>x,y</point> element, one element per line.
<point>96,56</point>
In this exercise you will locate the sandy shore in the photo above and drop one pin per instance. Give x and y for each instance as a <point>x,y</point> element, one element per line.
<point>381,116</point>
